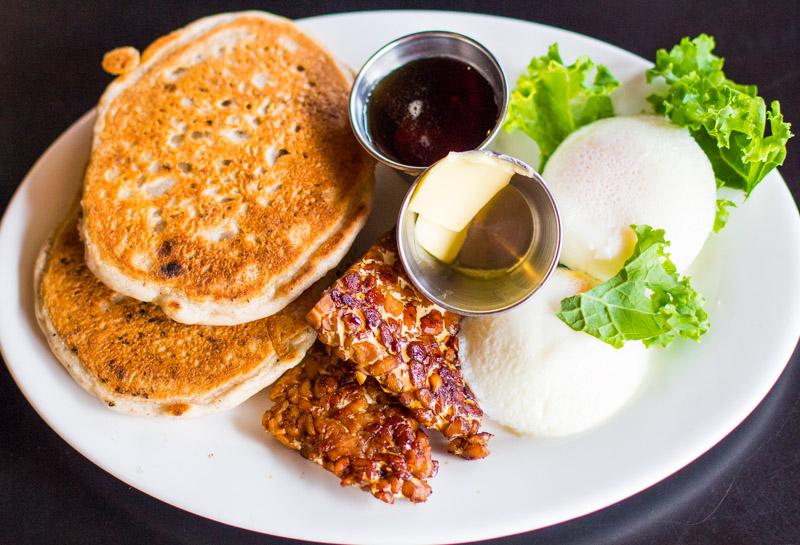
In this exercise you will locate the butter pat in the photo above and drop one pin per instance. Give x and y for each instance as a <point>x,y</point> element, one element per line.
<point>457,187</point>
<point>439,241</point>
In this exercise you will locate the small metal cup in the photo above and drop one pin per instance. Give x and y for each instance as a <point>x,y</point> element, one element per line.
<point>472,292</point>
<point>410,48</point>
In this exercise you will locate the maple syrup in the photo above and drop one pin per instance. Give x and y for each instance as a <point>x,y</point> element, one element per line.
<point>429,107</point>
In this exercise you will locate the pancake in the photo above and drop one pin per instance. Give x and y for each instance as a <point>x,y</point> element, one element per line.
<point>224,177</point>
<point>136,360</point>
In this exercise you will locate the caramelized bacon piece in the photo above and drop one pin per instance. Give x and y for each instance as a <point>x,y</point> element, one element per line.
<point>376,318</point>
<point>355,430</point>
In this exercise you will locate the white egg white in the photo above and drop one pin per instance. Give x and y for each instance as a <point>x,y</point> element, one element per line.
<point>630,170</point>
<point>535,376</point>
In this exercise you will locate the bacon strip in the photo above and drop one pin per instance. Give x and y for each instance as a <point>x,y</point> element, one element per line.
<point>355,430</point>
<point>374,317</point>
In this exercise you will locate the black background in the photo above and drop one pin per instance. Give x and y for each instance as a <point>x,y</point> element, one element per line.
<point>745,490</point>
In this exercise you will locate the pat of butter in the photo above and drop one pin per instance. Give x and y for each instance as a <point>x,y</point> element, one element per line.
<point>439,241</point>
<point>457,187</point>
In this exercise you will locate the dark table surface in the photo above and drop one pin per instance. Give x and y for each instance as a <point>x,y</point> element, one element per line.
<point>744,490</point>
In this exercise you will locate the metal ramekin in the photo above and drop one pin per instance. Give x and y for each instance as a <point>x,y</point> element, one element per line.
<point>466,294</point>
<point>410,48</point>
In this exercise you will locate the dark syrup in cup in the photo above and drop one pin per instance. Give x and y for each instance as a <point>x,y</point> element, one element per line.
<point>429,107</point>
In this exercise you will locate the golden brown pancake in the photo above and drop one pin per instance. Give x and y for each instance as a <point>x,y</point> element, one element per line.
<point>136,360</point>
<point>224,177</point>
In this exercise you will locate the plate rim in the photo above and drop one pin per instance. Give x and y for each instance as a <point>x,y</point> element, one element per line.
<point>77,126</point>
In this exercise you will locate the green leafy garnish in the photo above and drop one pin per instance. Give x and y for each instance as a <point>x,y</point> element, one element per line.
<point>728,120</point>
<point>552,100</point>
<point>722,213</point>
<point>646,300</point>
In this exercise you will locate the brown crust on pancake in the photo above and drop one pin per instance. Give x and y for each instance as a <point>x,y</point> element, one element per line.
<point>224,177</point>
<point>136,360</point>
<point>121,60</point>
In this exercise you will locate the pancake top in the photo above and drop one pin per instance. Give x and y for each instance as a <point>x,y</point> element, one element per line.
<point>224,177</point>
<point>135,359</point>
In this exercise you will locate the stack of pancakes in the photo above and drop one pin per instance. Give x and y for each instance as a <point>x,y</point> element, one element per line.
<point>224,183</point>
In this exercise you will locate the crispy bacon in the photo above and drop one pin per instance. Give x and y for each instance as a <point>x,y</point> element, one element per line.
<point>353,429</point>
<point>376,318</point>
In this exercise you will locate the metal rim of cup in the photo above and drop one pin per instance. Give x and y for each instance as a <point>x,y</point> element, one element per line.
<point>365,83</point>
<point>554,251</point>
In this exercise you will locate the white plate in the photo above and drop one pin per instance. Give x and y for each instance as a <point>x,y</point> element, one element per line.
<point>225,468</point>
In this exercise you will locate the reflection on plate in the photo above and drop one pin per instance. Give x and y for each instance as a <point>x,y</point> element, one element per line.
<point>225,468</point>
